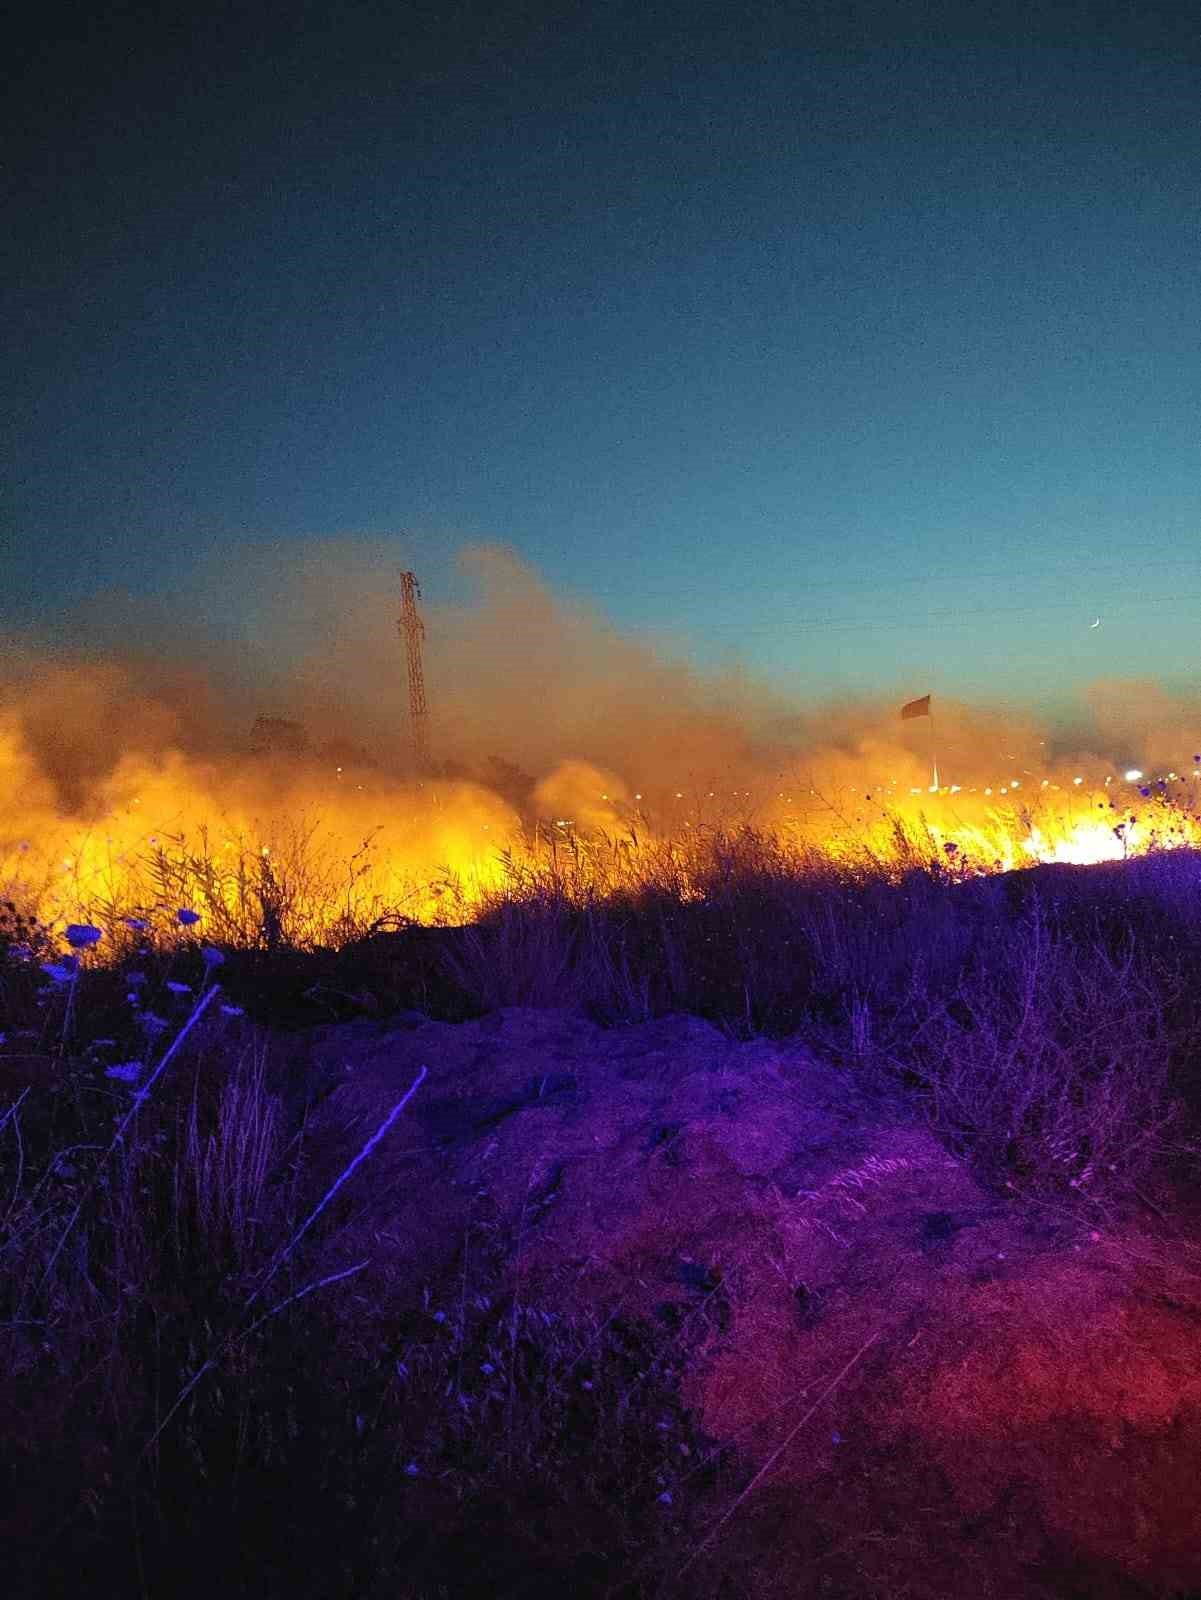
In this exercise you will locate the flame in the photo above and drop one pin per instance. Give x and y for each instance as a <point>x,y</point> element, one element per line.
<point>585,761</point>
<point>969,832</point>
<point>332,850</point>
<point>1084,844</point>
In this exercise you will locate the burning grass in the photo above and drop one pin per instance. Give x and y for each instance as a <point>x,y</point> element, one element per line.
<point>299,849</point>
<point>179,1392</point>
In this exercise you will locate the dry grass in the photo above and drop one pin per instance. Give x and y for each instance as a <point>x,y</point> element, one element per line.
<point>172,1380</point>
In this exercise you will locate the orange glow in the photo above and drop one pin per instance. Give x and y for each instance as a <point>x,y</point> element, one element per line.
<point>334,848</point>
<point>582,762</point>
<point>978,832</point>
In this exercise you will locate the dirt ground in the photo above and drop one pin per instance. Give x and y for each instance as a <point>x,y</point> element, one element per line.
<point>945,1390</point>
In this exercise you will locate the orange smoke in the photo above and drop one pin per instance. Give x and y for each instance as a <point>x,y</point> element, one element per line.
<point>129,784</point>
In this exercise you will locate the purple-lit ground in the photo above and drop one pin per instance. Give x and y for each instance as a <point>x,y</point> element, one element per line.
<point>206,1388</point>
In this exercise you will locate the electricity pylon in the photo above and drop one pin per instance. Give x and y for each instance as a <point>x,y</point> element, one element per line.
<point>412,631</point>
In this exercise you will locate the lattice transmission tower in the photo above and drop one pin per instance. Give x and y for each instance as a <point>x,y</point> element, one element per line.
<point>412,631</point>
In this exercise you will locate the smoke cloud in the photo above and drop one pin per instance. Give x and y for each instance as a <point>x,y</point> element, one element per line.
<point>538,707</point>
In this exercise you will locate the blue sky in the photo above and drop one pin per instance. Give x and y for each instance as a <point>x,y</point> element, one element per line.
<point>866,353</point>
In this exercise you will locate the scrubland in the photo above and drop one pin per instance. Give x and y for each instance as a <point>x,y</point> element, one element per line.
<point>184,1412</point>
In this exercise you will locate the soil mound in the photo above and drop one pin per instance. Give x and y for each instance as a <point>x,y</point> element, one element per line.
<point>868,1299</point>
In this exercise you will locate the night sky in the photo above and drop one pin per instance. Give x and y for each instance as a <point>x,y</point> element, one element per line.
<point>861,346</point>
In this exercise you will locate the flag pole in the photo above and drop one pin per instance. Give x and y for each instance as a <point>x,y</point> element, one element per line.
<point>924,707</point>
<point>933,748</point>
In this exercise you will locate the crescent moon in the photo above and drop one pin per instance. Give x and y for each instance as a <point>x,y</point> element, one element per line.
<point>1096,624</point>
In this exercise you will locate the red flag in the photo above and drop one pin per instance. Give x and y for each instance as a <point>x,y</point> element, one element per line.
<point>916,708</point>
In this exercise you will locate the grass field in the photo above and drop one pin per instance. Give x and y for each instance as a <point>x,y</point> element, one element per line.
<point>177,1389</point>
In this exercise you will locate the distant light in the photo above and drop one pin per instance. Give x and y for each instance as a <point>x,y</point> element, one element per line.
<point>1133,774</point>
<point>1077,781</point>
<point>1014,784</point>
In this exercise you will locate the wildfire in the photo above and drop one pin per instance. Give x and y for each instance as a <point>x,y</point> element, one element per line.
<point>328,857</point>
<point>991,828</point>
<point>323,849</point>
